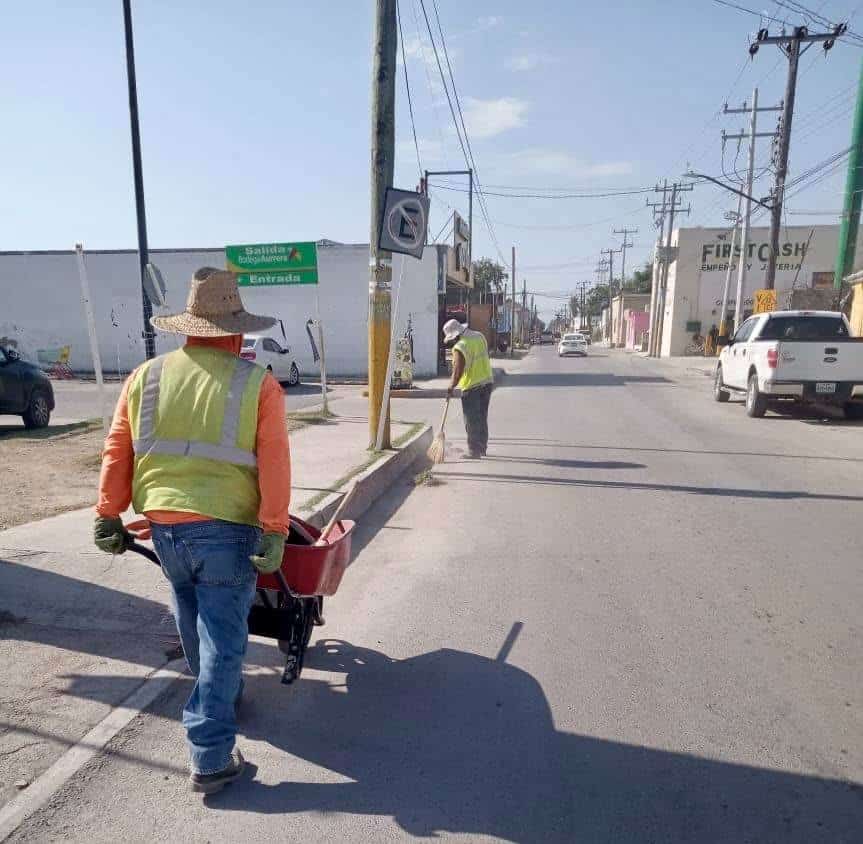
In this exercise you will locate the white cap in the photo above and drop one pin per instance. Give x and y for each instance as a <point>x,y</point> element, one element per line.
<point>453,328</point>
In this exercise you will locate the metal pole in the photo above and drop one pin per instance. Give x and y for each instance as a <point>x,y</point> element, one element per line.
<point>382,161</point>
<point>137,170</point>
<point>657,279</point>
<point>782,163</point>
<point>747,214</point>
<point>512,311</point>
<point>723,319</point>
<point>91,331</point>
<point>853,194</point>
<point>665,267</point>
<point>324,397</point>
<point>470,239</point>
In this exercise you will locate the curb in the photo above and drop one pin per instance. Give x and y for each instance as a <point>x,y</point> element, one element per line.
<point>373,482</point>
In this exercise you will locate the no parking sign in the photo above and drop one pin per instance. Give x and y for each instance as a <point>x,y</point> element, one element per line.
<point>404,223</point>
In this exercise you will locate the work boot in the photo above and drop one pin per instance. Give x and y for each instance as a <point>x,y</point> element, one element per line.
<point>211,783</point>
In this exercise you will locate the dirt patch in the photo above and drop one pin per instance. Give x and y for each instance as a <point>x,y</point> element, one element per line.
<point>48,471</point>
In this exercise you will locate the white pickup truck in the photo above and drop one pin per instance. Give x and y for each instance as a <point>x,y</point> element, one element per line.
<point>800,356</point>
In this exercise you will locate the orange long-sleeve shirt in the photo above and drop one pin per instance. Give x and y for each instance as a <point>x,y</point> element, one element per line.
<point>271,447</point>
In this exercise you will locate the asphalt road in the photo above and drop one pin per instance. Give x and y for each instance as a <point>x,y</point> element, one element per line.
<point>637,621</point>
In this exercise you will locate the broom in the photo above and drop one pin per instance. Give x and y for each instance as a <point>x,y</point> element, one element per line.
<point>437,450</point>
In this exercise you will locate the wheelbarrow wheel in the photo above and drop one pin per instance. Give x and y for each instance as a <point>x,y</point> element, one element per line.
<point>303,613</point>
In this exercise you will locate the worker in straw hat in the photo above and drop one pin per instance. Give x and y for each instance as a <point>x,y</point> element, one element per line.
<point>199,445</point>
<point>471,373</point>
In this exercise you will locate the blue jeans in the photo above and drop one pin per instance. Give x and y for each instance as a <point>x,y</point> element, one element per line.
<point>213,584</point>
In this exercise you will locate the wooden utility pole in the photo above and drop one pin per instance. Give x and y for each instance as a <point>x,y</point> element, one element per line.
<point>792,46</point>
<point>382,162</point>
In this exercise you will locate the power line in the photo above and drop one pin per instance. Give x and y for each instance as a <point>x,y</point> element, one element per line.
<point>408,87</point>
<point>467,157</point>
<point>479,189</point>
<point>433,99</point>
<point>552,196</point>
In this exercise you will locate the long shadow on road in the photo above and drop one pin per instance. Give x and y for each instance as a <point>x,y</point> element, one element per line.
<point>579,379</point>
<point>452,741</point>
<point>727,492</point>
<point>457,742</point>
<point>544,442</point>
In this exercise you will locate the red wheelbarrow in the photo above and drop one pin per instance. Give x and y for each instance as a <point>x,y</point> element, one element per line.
<point>288,603</point>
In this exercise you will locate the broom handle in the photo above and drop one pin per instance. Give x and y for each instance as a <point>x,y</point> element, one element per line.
<point>445,411</point>
<point>325,533</point>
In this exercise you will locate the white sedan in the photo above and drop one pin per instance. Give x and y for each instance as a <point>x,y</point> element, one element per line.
<point>572,344</point>
<point>267,352</point>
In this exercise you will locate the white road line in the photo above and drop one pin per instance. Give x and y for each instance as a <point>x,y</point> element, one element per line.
<point>14,813</point>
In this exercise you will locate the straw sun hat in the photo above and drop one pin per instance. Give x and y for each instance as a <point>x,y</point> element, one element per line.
<point>453,328</point>
<point>214,309</point>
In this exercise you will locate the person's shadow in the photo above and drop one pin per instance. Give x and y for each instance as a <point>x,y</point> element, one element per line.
<point>450,741</point>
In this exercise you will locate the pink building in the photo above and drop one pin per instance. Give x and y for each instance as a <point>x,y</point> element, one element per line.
<point>637,322</point>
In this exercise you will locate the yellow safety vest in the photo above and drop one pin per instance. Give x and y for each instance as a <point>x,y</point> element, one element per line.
<point>194,420</point>
<point>477,366</point>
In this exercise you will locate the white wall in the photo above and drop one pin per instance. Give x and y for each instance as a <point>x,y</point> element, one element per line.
<point>696,279</point>
<point>40,305</point>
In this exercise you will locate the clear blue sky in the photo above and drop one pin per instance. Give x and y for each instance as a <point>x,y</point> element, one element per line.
<point>255,119</point>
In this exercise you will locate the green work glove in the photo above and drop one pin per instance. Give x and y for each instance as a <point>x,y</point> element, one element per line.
<point>110,536</point>
<point>269,557</point>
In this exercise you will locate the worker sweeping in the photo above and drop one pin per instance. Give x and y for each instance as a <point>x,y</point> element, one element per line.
<point>199,445</point>
<point>471,373</point>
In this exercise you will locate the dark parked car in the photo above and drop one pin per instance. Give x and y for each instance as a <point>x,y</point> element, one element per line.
<point>24,390</point>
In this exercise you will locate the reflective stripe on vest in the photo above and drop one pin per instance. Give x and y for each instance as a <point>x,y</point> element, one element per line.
<point>226,451</point>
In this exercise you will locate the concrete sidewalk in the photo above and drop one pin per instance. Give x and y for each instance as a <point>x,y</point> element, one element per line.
<point>80,630</point>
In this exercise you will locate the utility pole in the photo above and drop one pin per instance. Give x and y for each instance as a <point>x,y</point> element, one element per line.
<point>623,247</point>
<point>382,161</point>
<point>659,209</point>
<point>512,311</point>
<point>611,325</point>
<point>747,213</point>
<point>138,174</point>
<point>793,47</point>
<point>735,218</point>
<point>853,193</point>
<point>523,310</point>
<point>673,208</point>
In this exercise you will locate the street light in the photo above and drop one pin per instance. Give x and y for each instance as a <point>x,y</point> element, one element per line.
<point>689,174</point>
<point>138,172</point>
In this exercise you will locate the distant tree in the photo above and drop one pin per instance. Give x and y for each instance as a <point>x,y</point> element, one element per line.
<point>641,280</point>
<point>597,299</point>
<point>488,275</point>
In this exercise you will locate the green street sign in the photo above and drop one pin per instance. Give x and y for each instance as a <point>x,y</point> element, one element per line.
<point>265,264</point>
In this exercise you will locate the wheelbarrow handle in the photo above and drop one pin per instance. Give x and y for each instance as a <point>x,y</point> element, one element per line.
<point>151,555</point>
<point>144,551</point>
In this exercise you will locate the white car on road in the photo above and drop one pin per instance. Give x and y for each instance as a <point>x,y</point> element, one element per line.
<point>572,344</point>
<point>267,352</point>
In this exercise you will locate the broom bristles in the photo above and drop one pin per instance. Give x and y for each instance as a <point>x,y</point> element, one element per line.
<point>437,450</point>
